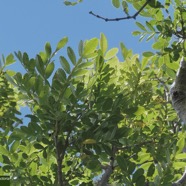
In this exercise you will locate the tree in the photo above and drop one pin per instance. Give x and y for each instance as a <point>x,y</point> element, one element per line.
<point>96,119</point>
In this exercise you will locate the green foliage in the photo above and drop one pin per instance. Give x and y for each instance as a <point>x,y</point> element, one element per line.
<point>92,111</point>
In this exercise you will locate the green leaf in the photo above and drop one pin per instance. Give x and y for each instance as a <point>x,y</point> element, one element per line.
<point>71,55</point>
<point>140,111</point>
<point>131,167</point>
<point>180,156</point>
<point>136,33</point>
<point>40,65</point>
<point>137,175</point>
<point>90,47</point>
<point>148,54</point>
<point>25,129</point>
<point>85,65</point>
<point>150,26</point>
<point>141,26</point>
<point>3,150</point>
<point>116,3</point>
<point>103,43</point>
<point>80,48</point>
<point>9,60</point>
<point>179,165</point>
<point>49,69</point>
<point>125,7</point>
<point>122,163</point>
<point>48,49</point>
<point>79,72</point>
<point>61,43</point>
<point>180,144</point>
<point>111,53</point>
<point>151,170</point>
<point>107,105</point>
<point>89,141</point>
<point>38,146</point>
<point>14,146</point>
<point>65,64</point>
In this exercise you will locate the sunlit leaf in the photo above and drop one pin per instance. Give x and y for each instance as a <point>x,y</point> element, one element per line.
<point>90,47</point>
<point>61,43</point>
<point>103,43</point>
<point>9,59</point>
<point>116,3</point>
<point>49,69</point>
<point>111,53</point>
<point>89,141</point>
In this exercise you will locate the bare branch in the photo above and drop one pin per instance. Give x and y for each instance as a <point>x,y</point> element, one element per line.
<point>121,18</point>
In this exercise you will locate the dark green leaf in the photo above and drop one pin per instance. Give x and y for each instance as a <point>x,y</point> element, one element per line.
<point>48,49</point>
<point>38,146</point>
<point>137,175</point>
<point>65,64</point>
<point>151,170</point>
<point>122,163</point>
<point>71,55</point>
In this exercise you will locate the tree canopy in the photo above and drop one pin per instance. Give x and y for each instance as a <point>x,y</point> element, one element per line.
<point>97,119</point>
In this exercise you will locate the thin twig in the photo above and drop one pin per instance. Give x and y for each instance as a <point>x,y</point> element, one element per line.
<point>121,18</point>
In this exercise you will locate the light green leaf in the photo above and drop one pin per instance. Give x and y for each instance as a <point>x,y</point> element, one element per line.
<point>3,151</point>
<point>180,156</point>
<point>90,47</point>
<point>179,165</point>
<point>85,65</point>
<point>49,69</point>
<point>111,53</point>
<point>65,64</point>
<point>79,72</point>
<point>89,141</point>
<point>136,33</point>
<point>61,43</point>
<point>14,146</point>
<point>9,60</point>
<point>180,144</point>
<point>141,26</point>
<point>116,3</point>
<point>103,43</point>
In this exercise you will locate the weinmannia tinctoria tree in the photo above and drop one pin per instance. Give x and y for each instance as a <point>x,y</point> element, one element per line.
<point>96,120</point>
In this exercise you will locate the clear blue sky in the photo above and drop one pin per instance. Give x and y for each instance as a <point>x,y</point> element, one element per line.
<point>26,25</point>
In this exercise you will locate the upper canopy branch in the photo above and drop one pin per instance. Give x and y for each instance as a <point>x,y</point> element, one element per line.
<point>122,18</point>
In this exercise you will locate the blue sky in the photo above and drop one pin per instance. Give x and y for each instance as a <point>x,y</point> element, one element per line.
<point>26,25</point>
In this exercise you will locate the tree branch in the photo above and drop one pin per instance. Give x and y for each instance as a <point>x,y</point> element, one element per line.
<point>108,169</point>
<point>121,18</point>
